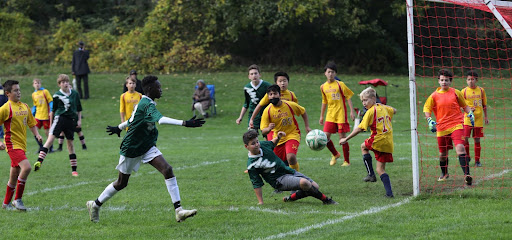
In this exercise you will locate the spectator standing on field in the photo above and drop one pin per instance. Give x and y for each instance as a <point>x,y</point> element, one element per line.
<point>80,68</point>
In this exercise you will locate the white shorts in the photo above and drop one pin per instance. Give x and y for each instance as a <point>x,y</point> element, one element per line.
<point>128,165</point>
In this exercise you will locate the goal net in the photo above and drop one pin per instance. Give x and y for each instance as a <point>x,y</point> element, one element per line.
<point>462,35</point>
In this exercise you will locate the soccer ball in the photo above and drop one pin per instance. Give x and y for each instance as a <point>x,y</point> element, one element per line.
<point>316,140</point>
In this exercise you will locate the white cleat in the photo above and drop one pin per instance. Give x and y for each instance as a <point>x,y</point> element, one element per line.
<point>18,204</point>
<point>7,206</point>
<point>94,211</point>
<point>182,214</point>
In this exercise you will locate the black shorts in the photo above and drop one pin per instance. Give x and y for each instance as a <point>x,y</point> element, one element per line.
<point>65,125</point>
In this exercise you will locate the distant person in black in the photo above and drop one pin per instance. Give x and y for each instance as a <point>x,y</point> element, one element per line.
<point>80,68</point>
<point>138,83</point>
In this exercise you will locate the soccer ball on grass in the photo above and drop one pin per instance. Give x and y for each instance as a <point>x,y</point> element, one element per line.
<point>316,140</point>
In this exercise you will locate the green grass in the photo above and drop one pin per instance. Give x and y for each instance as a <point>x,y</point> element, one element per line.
<point>209,164</point>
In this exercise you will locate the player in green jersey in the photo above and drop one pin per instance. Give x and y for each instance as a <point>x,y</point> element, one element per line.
<point>254,91</point>
<point>139,145</point>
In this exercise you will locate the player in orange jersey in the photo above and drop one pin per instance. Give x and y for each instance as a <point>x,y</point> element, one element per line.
<point>446,102</point>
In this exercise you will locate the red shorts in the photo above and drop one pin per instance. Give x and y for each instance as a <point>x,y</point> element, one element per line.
<point>478,132</point>
<point>379,156</point>
<point>446,142</point>
<point>290,146</point>
<point>43,123</point>
<point>331,127</point>
<point>16,155</point>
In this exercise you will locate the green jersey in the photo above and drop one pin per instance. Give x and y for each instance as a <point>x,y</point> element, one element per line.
<point>142,133</point>
<point>266,165</point>
<point>67,104</point>
<point>253,95</point>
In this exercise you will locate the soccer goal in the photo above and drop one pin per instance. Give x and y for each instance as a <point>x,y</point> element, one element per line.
<point>461,35</point>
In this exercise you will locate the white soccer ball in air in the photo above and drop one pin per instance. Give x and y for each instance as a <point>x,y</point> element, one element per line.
<point>316,139</point>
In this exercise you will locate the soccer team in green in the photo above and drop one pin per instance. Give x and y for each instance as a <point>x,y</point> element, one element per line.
<point>273,161</point>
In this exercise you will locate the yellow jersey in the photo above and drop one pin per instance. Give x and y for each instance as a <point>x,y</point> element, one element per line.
<point>378,119</point>
<point>475,98</point>
<point>286,95</point>
<point>128,101</point>
<point>334,95</point>
<point>16,116</point>
<point>284,119</point>
<point>42,99</point>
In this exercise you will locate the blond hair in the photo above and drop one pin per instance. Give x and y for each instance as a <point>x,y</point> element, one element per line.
<point>369,92</point>
<point>36,80</point>
<point>62,78</point>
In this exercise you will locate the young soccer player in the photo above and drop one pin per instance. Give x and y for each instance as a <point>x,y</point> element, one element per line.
<point>334,95</point>
<point>446,102</point>
<point>16,116</point>
<point>476,99</point>
<point>279,116</point>
<point>282,80</point>
<point>67,117</point>
<point>43,102</point>
<point>129,99</point>
<point>139,145</point>
<point>378,119</point>
<point>263,164</point>
<point>253,91</point>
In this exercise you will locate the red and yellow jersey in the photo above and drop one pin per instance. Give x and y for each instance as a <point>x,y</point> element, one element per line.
<point>286,95</point>
<point>284,119</point>
<point>475,98</point>
<point>16,117</point>
<point>446,107</point>
<point>42,99</point>
<point>334,95</point>
<point>128,101</point>
<point>378,119</point>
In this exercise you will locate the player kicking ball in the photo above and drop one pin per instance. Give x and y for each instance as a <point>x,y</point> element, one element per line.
<point>139,145</point>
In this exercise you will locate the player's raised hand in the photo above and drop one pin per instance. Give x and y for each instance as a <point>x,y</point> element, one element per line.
<point>193,122</point>
<point>114,129</point>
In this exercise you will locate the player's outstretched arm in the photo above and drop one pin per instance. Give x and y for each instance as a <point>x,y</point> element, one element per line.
<point>114,130</point>
<point>193,122</point>
<point>351,135</point>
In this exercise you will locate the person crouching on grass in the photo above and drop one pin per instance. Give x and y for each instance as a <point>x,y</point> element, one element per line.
<point>378,119</point>
<point>16,116</point>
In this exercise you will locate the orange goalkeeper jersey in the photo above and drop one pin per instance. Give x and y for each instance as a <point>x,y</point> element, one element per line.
<point>16,116</point>
<point>446,107</point>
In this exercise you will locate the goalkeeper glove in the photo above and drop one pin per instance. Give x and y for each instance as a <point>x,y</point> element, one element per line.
<point>432,124</point>
<point>471,117</point>
<point>111,130</point>
<point>193,122</point>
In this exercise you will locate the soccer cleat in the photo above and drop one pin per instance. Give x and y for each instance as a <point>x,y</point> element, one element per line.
<point>468,180</point>
<point>84,147</point>
<point>443,178</point>
<point>94,211</point>
<point>288,199</point>
<point>182,214</point>
<point>390,196</point>
<point>18,204</point>
<point>74,174</point>
<point>37,165</point>
<point>334,159</point>
<point>345,164</point>
<point>59,149</point>
<point>478,164</point>
<point>370,178</point>
<point>7,206</point>
<point>329,201</point>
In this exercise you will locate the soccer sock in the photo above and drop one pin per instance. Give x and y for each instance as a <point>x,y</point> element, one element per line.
<point>464,163</point>
<point>367,159</point>
<point>298,195</point>
<point>82,140</point>
<point>478,149</point>
<point>20,188</point>
<point>39,143</point>
<point>174,191</point>
<point>42,154</point>
<point>295,166</point>
<point>61,141</point>
<point>346,152</point>
<point>331,148</point>
<point>387,184</point>
<point>109,192</point>
<point>314,192</point>
<point>444,166</point>
<point>9,193</point>
<point>72,161</point>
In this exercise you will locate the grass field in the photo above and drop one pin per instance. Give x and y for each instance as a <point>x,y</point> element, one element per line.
<point>209,164</point>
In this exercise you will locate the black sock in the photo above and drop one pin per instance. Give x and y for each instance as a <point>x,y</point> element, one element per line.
<point>367,159</point>
<point>177,204</point>
<point>98,202</point>
<point>444,166</point>
<point>464,163</point>
<point>314,192</point>
<point>387,184</point>
<point>298,195</point>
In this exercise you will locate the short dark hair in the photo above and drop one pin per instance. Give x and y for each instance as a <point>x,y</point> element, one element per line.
<point>254,66</point>
<point>8,85</point>
<point>250,135</point>
<point>274,88</point>
<point>472,73</point>
<point>332,66</point>
<point>281,74</point>
<point>446,73</point>
<point>147,82</point>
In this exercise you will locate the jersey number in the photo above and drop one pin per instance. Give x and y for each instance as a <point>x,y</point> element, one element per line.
<point>335,96</point>
<point>286,122</point>
<point>386,123</point>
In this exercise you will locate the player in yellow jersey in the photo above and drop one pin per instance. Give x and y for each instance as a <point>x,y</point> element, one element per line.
<point>334,95</point>
<point>129,99</point>
<point>280,116</point>
<point>476,99</point>
<point>378,119</point>
<point>16,116</point>
<point>43,102</point>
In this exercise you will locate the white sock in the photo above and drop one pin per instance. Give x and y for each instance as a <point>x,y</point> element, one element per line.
<point>172,188</point>
<point>109,192</point>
